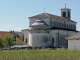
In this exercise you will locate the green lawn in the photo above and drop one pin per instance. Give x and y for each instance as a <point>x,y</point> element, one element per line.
<point>44,54</point>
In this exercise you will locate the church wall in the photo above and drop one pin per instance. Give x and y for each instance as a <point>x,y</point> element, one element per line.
<point>59,38</point>
<point>26,35</point>
<point>39,39</point>
<point>57,22</point>
<point>43,38</point>
<point>38,27</point>
<point>46,20</point>
<point>71,33</point>
<point>53,34</point>
<point>68,25</point>
<point>62,35</point>
<point>31,21</point>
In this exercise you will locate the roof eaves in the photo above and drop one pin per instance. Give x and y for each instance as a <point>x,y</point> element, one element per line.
<point>72,35</point>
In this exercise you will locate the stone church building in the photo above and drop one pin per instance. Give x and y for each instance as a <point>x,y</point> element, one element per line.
<point>49,30</point>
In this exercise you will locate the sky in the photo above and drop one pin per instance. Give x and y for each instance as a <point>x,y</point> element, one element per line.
<point>14,13</point>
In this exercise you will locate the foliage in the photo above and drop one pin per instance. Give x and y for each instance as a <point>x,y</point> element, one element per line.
<point>45,54</point>
<point>6,40</point>
<point>18,36</point>
<point>17,43</point>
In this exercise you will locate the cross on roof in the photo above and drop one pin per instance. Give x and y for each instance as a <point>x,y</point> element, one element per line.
<point>65,5</point>
<point>44,10</point>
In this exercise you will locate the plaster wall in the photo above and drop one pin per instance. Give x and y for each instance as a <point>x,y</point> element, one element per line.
<point>36,38</point>
<point>39,39</point>
<point>38,27</point>
<point>66,13</point>
<point>53,34</point>
<point>74,44</point>
<point>26,35</point>
<point>59,37</point>
<point>46,20</point>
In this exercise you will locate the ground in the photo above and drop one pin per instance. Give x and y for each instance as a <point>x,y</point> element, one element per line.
<point>44,54</point>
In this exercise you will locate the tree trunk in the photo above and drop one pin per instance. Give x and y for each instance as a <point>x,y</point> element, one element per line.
<point>0,49</point>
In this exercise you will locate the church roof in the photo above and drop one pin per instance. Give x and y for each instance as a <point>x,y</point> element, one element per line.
<point>65,8</point>
<point>42,15</point>
<point>74,36</point>
<point>39,23</point>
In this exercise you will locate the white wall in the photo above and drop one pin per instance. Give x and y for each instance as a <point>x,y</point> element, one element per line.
<point>37,39</point>
<point>26,35</point>
<point>32,20</point>
<point>74,44</point>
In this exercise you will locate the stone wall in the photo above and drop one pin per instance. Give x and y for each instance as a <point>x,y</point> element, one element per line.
<point>39,39</point>
<point>59,37</point>
<point>43,38</point>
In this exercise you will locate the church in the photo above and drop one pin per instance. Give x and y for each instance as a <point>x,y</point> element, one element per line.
<point>49,30</point>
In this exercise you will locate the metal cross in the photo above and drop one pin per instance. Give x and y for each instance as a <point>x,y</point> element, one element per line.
<point>44,10</point>
<point>65,5</point>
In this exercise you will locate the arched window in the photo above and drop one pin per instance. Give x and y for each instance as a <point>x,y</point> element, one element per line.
<point>26,40</point>
<point>64,14</point>
<point>69,14</point>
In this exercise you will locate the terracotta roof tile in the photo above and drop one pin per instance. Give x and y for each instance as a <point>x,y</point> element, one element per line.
<point>2,33</point>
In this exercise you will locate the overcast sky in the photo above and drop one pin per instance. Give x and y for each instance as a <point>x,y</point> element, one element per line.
<point>14,13</point>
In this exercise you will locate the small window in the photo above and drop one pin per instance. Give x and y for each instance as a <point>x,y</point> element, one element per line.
<point>64,14</point>
<point>69,14</point>
<point>26,40</point>
<point>52,40</point>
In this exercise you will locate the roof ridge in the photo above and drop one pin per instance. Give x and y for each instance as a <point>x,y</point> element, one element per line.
<point>52,16</point>
<point>47,14</point>
<point>60,16</point>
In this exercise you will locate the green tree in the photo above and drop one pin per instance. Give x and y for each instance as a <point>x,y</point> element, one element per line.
<point>17,35</point>
<point>6,40</point>
<point>1,40</point>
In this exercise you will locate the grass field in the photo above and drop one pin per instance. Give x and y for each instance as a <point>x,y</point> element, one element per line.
<point>44,54</point>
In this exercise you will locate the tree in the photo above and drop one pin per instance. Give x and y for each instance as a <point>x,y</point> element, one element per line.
<point>17,35</point>
<point>1,40</point>
<point>6,40</point>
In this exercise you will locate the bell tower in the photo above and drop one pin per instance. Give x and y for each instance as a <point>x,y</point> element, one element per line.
<point>66,12</point>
